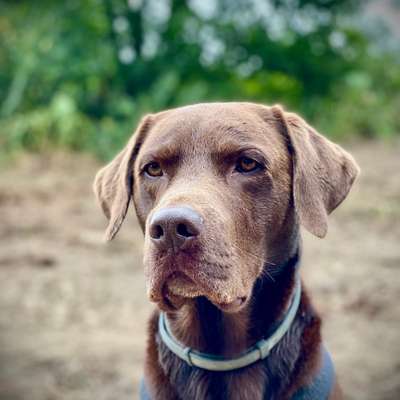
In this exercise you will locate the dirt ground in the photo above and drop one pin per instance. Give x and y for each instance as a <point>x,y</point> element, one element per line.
<point>73,310</point>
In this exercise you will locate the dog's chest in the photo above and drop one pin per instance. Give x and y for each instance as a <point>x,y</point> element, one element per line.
<point>249,384</point>
<point>196,384</point>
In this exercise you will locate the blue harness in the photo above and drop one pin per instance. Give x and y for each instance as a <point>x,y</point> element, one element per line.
<point>321,386</point>
<point>319,389</point>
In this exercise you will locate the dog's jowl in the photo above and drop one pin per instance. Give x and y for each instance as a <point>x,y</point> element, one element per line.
<point>220,191</point>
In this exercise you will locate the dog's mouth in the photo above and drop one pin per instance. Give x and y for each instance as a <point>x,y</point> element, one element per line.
<point>179,289</point>
<point>179,284</point>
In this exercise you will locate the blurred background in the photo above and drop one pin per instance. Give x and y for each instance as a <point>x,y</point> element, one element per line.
<point>76,76</point>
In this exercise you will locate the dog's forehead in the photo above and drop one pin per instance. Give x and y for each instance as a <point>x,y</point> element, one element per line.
<point>211,127</point>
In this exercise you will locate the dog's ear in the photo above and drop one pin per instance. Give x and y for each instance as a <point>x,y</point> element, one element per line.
<point>323,172</point>
<point>113,184</point>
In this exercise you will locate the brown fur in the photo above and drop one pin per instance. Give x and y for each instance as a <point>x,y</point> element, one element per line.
<point>246,247</point>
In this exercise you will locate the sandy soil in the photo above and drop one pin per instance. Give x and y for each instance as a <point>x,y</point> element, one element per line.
<point>73,310</point>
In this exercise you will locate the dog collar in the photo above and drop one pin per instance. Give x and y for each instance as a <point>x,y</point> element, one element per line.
<point>212,362</point>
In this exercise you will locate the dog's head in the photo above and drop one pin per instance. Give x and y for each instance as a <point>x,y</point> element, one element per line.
<point>218,188</point>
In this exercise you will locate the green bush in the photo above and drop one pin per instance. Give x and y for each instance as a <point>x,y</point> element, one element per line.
<point>79,74</point>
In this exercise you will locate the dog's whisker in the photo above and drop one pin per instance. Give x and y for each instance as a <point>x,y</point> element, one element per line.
<point>266,273</point>
<point>248,253</point>
<point>271,263</point>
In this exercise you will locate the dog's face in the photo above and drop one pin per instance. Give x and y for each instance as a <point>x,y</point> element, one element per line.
<point>215,187</point>
<point>222,176</point>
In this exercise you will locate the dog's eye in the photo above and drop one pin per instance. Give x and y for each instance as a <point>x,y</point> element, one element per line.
<point>153,169</point>
<point>247,164</point>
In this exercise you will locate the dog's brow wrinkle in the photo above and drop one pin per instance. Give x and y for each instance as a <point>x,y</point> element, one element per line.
<point>228,149</point>
<point>164,153</point>
<point>235,131</point>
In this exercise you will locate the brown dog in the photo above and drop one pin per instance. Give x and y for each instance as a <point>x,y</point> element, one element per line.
<point>220,191</point>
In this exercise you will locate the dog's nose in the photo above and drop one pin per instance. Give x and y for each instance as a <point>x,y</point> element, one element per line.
<point>174,227</point>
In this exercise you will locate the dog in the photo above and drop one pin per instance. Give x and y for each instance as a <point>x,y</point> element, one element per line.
<point>220,191</point>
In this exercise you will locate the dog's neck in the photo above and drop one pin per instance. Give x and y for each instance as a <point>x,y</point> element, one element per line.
<point>203,327</point>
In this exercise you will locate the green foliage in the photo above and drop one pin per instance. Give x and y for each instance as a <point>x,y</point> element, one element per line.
<point>363,105</point>
<point>79,74</point>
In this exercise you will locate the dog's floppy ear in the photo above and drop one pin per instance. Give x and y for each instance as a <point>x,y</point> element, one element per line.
<point>323,172</point>
<point>113,184</point>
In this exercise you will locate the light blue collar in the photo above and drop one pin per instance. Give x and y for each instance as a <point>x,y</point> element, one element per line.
<point>212,362</point>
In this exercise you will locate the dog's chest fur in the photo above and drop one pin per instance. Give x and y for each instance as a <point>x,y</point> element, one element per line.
<point>262,381</point>
<point>190,383</point>
<point>271,379</point>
